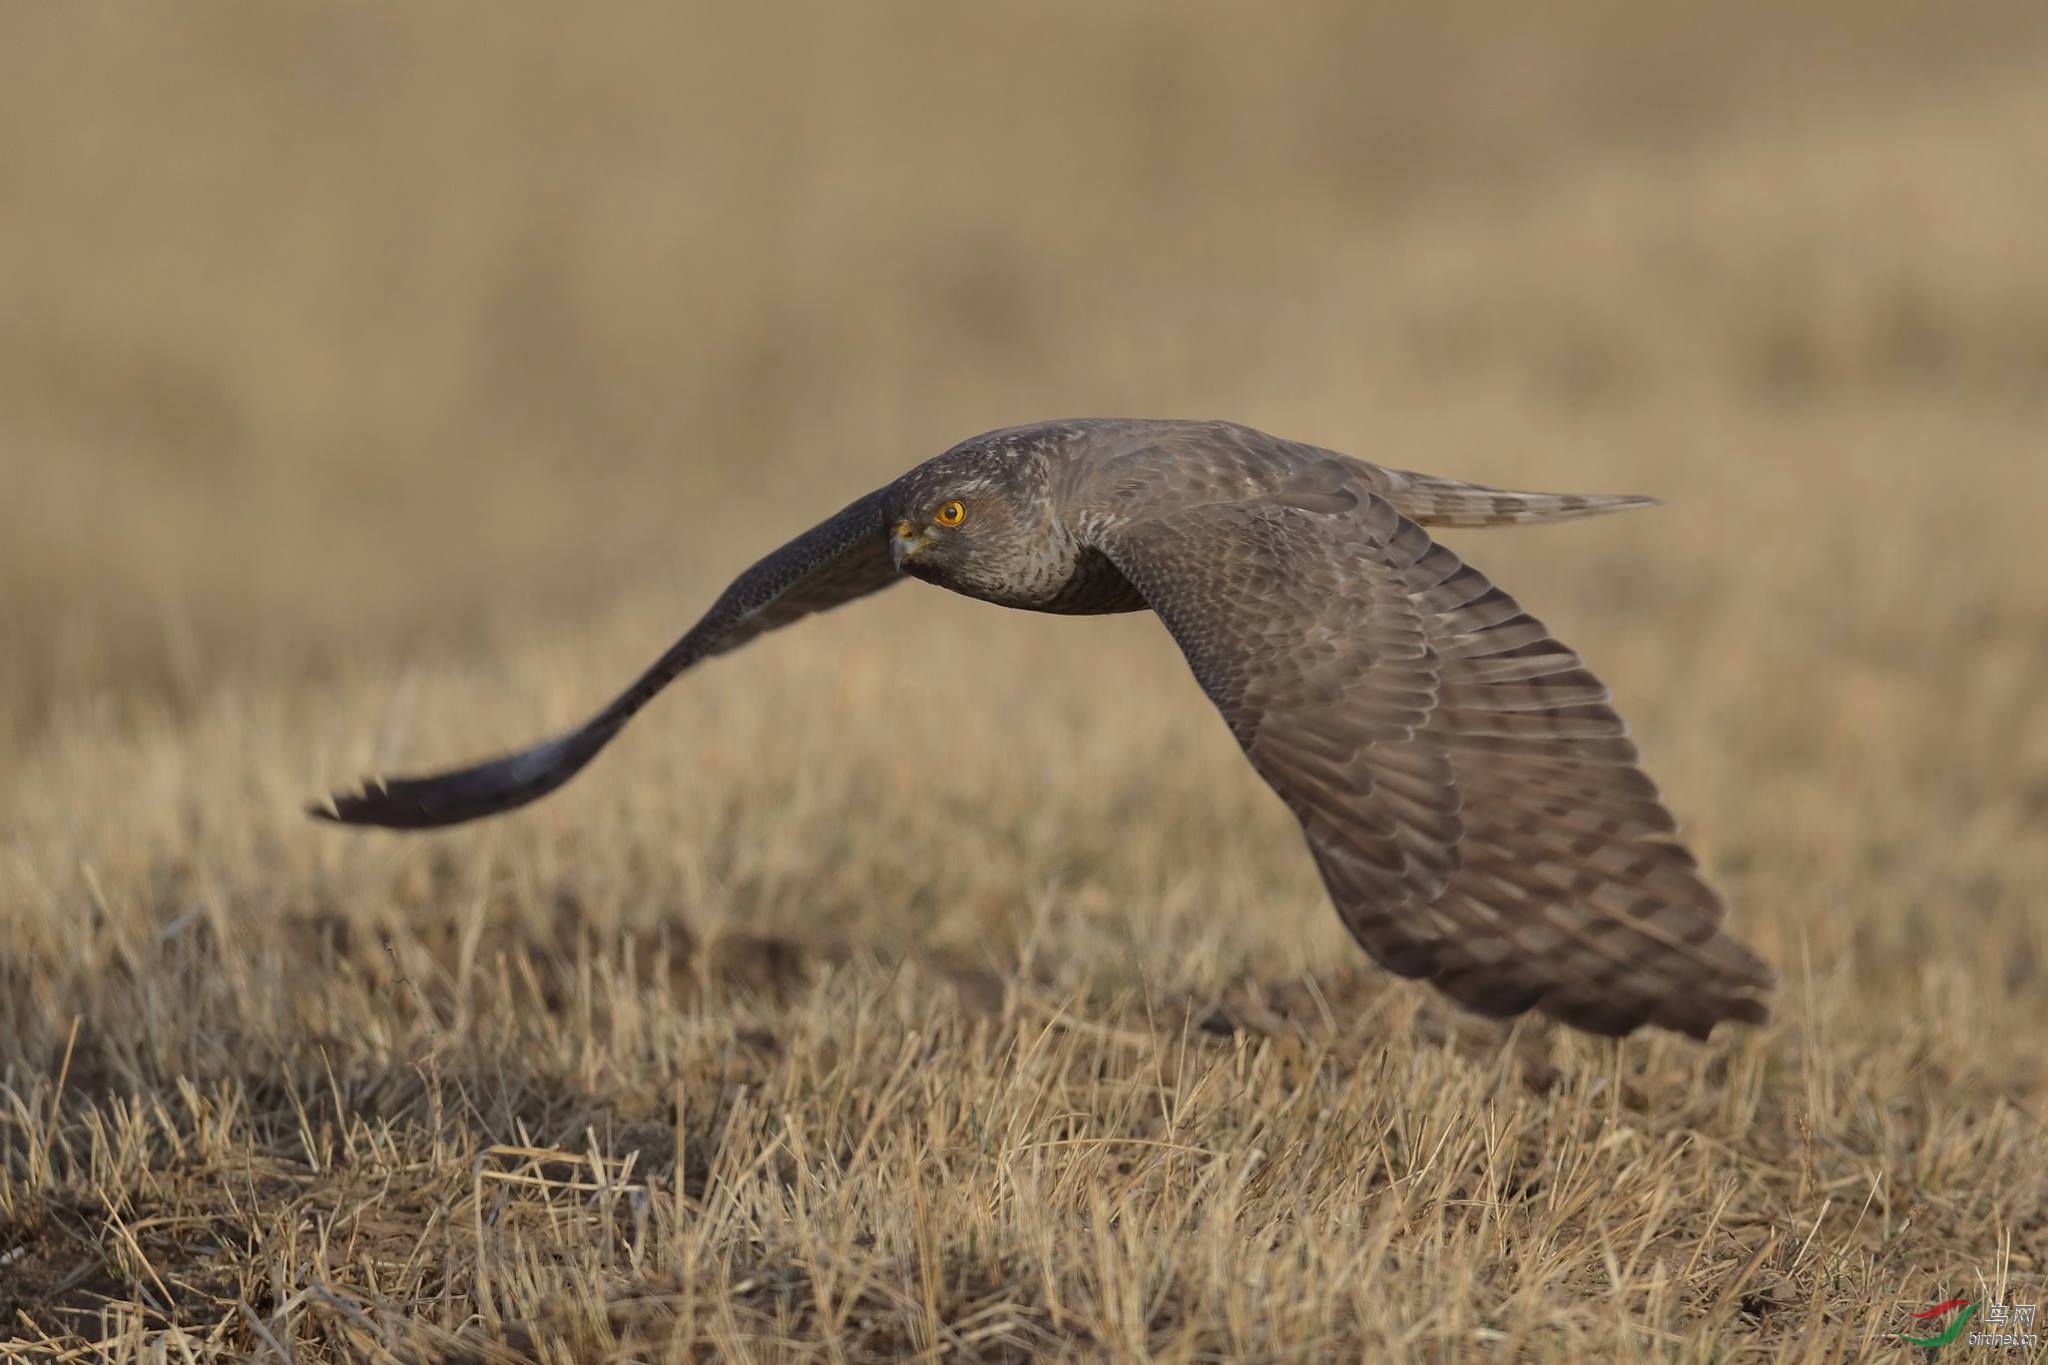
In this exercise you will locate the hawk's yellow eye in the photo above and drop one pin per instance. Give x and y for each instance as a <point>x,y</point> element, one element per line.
<point>952,514</point>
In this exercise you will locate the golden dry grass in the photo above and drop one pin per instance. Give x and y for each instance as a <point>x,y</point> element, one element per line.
<point>378,387</point>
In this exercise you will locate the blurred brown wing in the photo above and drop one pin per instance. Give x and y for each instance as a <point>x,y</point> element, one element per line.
<point>1471,799</point>
<point>834,562</point>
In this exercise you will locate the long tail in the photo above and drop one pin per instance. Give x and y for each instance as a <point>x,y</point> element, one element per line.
<point>1432,501</point>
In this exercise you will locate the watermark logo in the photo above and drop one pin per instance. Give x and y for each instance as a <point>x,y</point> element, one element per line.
<point>2007,1325</point>
<point>1948,1334</point>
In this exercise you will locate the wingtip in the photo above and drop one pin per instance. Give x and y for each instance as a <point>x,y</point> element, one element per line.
<point>339,808</point>
<point>1751,1011</point>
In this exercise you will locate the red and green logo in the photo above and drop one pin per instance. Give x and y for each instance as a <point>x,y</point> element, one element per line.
<point>1948,1334</point>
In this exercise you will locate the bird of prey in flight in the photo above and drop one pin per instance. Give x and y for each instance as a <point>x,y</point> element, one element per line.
<point>1470,797</point>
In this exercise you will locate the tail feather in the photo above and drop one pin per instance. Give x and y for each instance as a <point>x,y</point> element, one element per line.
<point>1434,501</point>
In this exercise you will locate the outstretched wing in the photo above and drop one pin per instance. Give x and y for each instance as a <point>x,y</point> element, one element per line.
<point>834,562</point>
<point>1471,799</point>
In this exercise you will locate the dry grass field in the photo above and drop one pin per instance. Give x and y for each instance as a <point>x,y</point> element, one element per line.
<point>382,385</point>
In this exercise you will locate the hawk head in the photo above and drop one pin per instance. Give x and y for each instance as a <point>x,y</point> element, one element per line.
<point>978,520</point>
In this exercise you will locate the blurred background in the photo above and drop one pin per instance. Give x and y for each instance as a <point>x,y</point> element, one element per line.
<point>386,330</point>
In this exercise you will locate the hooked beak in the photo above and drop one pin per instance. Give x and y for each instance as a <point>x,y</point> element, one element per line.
<point>906,542</point>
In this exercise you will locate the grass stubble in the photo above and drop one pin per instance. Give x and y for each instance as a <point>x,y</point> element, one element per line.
<point>931,981</point>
